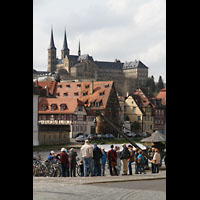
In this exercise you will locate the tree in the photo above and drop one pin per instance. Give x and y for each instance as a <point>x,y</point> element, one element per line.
<point>150,83</point>
<point>160,84</point>
<point>135,126</point>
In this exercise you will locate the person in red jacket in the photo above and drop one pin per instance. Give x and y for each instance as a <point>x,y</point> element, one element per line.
<point>112,160</point>
<point>64,161</point>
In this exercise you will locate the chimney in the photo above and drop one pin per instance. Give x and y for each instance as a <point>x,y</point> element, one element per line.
<point>91,87</point>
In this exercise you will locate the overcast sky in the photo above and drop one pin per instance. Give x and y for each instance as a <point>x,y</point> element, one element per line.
<point>107,29</point>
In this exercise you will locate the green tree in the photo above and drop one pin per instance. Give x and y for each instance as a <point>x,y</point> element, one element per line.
<point>160,84</point>
<point>135,126</point>
<point>150,83</point>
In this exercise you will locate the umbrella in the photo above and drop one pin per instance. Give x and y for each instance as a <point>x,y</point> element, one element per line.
<point>155,137</point>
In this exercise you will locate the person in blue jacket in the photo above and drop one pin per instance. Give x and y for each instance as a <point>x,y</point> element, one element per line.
<point>140,162</point>
<point>52,157</point>
<point>103,161</point>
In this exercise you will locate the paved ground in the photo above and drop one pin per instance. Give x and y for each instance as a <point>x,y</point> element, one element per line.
<point>85,188</point>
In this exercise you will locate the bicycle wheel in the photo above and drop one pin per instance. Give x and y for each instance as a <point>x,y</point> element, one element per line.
<point>78,170</point>
<point>57,172</point>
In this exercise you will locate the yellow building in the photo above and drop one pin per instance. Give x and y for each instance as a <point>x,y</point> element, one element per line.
<point>132,110</point>
<point>148,118</point>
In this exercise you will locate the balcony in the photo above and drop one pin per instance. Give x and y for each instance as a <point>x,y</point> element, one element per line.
<point>54,122</point>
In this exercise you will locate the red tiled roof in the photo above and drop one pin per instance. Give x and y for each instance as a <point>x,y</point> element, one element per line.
<point>71,105</point>
<point>71,100</point>
<point>162,95</point>
<point>83,87</point>
<point>50,84</point>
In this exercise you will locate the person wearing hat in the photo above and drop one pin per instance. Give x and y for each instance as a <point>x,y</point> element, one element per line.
<point>64,161</point>
<point>52,157</point>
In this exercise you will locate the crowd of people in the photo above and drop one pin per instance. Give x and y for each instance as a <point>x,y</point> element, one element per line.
<point>93,160</point>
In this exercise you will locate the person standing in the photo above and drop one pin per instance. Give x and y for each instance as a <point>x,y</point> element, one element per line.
<point>72,158</point>
<point>156,160</point>
<point>140,162</point>
<point>118,167</point>
<point>87,155</point>
<point>97,154</point>
<point>112,161</point>
<point>131,159</point>
<point>103,161</point>
<point>64,161</point>
<point>124,155</point>
<point>152,164</point>
<point>136,164</point>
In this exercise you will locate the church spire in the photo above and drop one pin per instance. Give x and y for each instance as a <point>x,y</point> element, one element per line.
<point>65,49</point>
<point>52,46</point>
<point>79,49</point>
<point>65,46</point>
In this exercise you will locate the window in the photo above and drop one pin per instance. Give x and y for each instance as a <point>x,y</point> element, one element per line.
<point>85,93</point>
<point>133,108</point>
<point>139,118</point>
<point>63,106</point>
<point>101,93</point>
<point>59,86</point>
<point>78,85</point>
<point>57,94</point>
<point>65,94</point>
<point>75,93</point>
<point>106,86</point>
<point>44,107</point>
<point>87,86</point>
<point>80,108</point>
<point>53,107</point>
<point>67,86</point>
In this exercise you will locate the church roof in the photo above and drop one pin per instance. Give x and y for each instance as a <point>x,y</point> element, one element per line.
<point>109,65</point>
<point>52,46</point>
<point>85,57</point>
<point>65,46</point>
<point>134,64</point>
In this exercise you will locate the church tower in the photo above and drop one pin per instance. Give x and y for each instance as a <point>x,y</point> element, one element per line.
<point>79,49</point>
<point>65,49</point>
<point>51,55</point>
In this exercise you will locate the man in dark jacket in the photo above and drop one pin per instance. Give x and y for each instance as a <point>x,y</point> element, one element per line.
<point>72,162</point>
<point>112,160</point>
<point>124,155</point>
<point>64,161</point>
<point>97,154</point>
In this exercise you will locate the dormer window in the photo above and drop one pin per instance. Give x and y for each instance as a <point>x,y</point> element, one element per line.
<point>85,93</point>
<point>101,93</point>
<point>63,106</point>
<point>44,107</point>
<point>53,107</point>
<point>106,86</point>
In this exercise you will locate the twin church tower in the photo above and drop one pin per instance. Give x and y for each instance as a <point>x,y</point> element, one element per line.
<point>53,61</point>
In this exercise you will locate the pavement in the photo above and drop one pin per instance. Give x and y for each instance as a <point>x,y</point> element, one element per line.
<point>98,188</point>
<point>102,179</point>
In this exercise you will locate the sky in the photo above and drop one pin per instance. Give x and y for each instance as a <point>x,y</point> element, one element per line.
<point>126,30</point>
